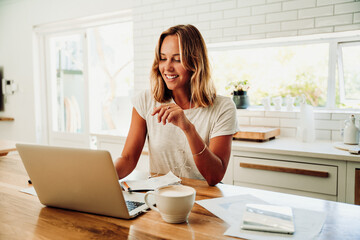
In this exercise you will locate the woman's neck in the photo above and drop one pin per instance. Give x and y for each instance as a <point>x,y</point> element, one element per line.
<point>182,99</point>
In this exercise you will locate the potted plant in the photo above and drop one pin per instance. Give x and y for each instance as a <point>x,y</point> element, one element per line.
<point>239,91</point>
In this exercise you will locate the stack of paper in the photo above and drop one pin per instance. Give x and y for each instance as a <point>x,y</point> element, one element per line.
<point>151,183</point>
<point>308,223</point>
<point>268,218</point>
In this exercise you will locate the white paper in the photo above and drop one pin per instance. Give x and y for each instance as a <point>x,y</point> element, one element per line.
<point>153,183</point>
<point>29,190</point>
<point>268,218</point>
<point>229,209</point>
<point>308,223</point>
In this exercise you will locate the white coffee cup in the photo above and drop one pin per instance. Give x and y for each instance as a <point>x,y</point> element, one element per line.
<point>174,202</point>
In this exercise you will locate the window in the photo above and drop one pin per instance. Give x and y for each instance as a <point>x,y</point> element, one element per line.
<point>111,76</point>
<point>349,75</point>
<point>67,83</point>
<point>292,67</point>
<point>87,66</point>
<point>108,52</point>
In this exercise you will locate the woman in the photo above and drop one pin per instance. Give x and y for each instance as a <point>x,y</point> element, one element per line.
<point>188,127</point>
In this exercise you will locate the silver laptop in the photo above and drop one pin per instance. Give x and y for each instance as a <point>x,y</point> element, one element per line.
<point>79,179</point>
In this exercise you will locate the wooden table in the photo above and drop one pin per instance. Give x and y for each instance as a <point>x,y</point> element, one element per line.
<point>6,146</point>
<point>22,216</point>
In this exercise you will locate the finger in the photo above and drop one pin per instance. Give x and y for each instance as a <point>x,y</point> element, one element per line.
<point>166,115</point>
<point>161,113</point>
<point>156,110</point>
<point>168,110</point>
<point>170,117</point>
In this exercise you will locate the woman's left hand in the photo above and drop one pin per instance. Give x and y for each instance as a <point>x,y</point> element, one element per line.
<point>172,113</point>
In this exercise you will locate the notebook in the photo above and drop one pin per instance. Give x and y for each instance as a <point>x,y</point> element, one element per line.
<point>150,184</point>
<point>268,218</point>
<point>79,179</point>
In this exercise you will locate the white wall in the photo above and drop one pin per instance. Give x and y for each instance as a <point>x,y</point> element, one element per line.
<point>236,20</point>
<point>226,20</point>
<point>17,18</point>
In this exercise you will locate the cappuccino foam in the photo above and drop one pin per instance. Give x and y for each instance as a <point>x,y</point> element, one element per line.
<point>176,191</point>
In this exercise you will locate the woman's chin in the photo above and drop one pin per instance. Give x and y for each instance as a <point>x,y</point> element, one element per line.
<point>170,86</point>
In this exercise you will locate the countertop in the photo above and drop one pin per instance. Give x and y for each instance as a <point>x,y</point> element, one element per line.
<point>291,146</point>
<point>279,145</point>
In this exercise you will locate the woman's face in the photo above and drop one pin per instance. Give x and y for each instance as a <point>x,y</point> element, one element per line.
<point>171,69</point>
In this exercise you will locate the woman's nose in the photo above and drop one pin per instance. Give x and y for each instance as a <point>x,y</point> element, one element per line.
<point>168,66</point>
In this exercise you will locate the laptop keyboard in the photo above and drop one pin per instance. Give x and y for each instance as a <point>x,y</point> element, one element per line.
<point>131,205</point>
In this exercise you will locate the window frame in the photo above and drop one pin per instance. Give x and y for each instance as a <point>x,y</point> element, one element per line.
<point>41,85</point>
<point>334,40</point>
<point>341,70</point>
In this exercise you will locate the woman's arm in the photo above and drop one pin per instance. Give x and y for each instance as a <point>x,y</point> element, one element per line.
<point>212,160</point>
<point>133,146</point>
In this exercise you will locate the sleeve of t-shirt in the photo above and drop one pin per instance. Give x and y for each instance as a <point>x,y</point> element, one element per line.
<point>141,103</point>
<point>226,122</point>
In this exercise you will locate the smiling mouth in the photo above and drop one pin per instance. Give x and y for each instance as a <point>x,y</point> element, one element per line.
<point>171,77</point>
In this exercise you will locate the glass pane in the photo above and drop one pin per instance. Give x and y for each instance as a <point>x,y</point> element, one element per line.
<point>67,83</point>
<point>351,76</point>
<point>275,71</point>
<point>111,76</point>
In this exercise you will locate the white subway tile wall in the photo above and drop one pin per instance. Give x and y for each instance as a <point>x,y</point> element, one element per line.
<point>287,122</point>
<point>237,20</point>
<point>244,121</point>
<point>267,122</point>
<point>357,18</point>
<point>347,7</point>
<point>327,125</point>
<point>288,132</point>
<point>323,134</point>
<point>280,114</point>
<point>316,12</point>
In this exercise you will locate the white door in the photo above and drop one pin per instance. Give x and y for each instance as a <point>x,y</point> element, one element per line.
<point>67,89</point>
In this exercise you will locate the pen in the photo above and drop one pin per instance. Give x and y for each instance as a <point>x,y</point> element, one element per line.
<point>127,188</point>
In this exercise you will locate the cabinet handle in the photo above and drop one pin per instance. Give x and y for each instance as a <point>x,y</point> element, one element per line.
<point>286,170</point>
<point>357,187</point>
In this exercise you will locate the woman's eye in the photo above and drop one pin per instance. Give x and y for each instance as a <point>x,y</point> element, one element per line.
<point>162,59</point>
<point>177,60</point>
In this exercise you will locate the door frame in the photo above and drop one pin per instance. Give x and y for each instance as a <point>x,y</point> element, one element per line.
<point>41,85</point>
<point>64,138</point>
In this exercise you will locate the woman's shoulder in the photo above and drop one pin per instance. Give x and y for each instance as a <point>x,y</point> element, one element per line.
<point>143,101</point>
<point>220,105</point>
<point>222,101</point>
<point>222,98</point>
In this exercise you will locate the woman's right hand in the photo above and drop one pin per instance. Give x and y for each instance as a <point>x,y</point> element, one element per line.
<point>172,113</point>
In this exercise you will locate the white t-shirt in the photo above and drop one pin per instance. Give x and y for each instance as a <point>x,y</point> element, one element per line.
<point>168,146</point>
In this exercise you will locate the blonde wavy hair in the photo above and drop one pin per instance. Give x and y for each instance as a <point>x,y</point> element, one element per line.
<point>194,58</point>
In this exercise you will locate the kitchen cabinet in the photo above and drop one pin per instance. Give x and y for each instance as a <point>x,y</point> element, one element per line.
<point>312,177</point>
<point>357,186</point>
<point>353,183</point>
<point>114,142</point>
<point>315,169</point>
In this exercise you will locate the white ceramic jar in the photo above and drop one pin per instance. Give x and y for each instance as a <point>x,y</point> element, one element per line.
<point>351,131</point>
